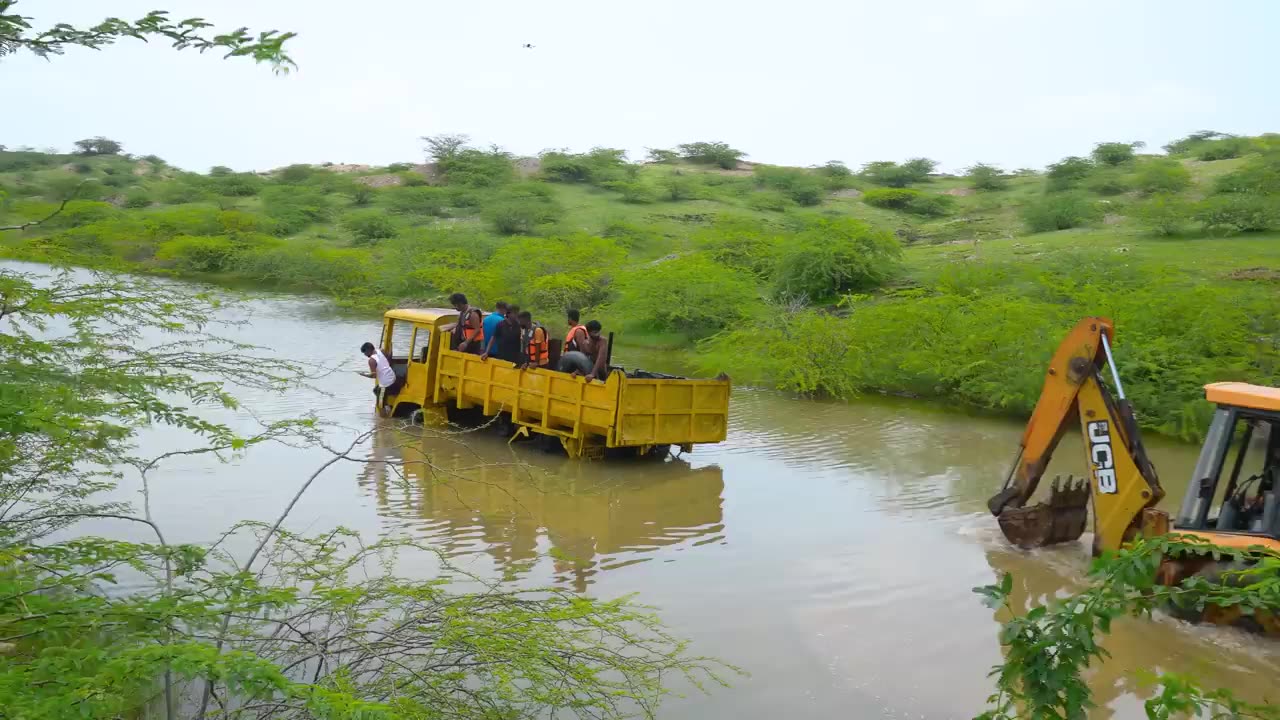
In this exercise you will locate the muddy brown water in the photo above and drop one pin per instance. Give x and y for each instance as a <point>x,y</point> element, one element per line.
<point>829,549</point>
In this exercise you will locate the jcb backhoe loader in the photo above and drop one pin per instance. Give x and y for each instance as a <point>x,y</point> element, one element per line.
<point>1235,505</point>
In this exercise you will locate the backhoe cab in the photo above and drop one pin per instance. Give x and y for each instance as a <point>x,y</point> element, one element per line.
<point>1234,504</point>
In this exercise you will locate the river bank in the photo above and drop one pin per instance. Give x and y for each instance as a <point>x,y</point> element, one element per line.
<point>841,298</point>
<point>827,548</point>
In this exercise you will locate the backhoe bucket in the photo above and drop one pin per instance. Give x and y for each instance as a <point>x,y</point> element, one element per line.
<point>1061,519</point>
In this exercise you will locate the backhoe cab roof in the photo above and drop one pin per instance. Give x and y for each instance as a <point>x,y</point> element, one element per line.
<point>426,316</point>
<point>1255,397</point>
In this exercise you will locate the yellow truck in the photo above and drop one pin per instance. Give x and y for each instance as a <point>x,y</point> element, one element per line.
<point>629,412</point>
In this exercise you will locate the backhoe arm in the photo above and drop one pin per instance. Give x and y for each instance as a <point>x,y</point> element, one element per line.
<point>1122,479</point>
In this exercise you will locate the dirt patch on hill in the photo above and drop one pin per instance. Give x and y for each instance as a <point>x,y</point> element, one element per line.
<point>959,192</point>
<point>378,181</point>
<point>847,193</point>
<point>1255,273</point>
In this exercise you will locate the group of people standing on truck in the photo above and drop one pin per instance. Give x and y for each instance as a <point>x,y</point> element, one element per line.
<point>509,333</point>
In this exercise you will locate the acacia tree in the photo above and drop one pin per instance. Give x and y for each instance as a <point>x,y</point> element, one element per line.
<point>98,146</point>
<point>86,360</point>
<point>17,34</point>
<point>1049,648</point>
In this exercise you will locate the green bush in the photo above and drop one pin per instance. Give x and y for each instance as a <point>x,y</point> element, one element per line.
<point>1189,144</point>
<point>1068,173</point>
<point>399,167</point>
<point>890,198</point>
<point>1162,214</point>
<point>181,192</point>
<point>909,200</point>
<point>743,244</point>
<point>691,295</point>
<point>404,200</point>
<point>1162,175</point>
<point>833,256</point>
<point>891,174</point>
<point>551,274</point>
<point>202,254</point>
<point>1259,175</point>
<point>803,187</point>
<point>137,199</point>
<point>636,192</point>
<point>1233,213</point>
<point>237,184</point>
<point>1011,316</point>
<point>307,266</point>
<point>598,166</point>
<point>681,186</point>
<point>294,207</point>
<point>520,215</point>
<point>1114,153</point>
<point>663,157</point>
<point>712,153</point>
<point>295,174</point>
<point>477,168</point>
<point>362,195</point>
<point>769,201</point>
<point>1108,182</point>
<point>412,179</point>
<point>985,177</point>
<point>83,212</point>
<point>1223,148</point>
<point>1058,211</point>
<point>370,225</point>
<point>58,189</point>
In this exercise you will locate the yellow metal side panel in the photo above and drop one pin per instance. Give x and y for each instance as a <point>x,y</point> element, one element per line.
<point>541,398</point>
<point>1119,491</point>
<point>671,412</point>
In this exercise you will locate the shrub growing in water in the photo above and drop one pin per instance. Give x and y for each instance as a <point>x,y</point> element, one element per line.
<point>833,256</point>
<point>692,295</point>
<point>1058,211</point>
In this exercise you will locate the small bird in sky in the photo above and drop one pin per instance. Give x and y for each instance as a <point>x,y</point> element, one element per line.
<point>527,46</point>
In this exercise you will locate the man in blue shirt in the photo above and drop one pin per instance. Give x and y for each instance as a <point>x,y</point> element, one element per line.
<point>492,320</point>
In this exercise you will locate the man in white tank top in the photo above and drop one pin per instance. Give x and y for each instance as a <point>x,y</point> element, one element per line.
<point>380,368</point>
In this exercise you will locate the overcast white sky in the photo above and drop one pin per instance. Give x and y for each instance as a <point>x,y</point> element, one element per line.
<point>1014,82</point>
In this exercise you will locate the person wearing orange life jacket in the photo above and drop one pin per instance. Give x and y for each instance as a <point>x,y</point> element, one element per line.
<point>468,332</point>
<point>534,342</point>
<point>576,354</point>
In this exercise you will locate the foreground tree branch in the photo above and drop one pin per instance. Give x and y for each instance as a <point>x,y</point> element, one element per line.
<point>16,34</point>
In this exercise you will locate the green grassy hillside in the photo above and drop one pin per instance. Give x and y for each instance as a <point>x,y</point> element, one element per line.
<point>893,278</point>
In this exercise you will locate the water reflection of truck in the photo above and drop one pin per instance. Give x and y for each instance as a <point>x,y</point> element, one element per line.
<point>636,411</point>
<point>474,498</point>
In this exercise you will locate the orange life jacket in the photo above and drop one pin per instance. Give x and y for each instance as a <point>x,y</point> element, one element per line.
<point>537,351</point>
<point>463,331</point>
<point>570,343</point>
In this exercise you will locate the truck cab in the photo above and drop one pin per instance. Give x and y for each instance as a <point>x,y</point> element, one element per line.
<point>411,340</point>
<point>1234,495</point>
